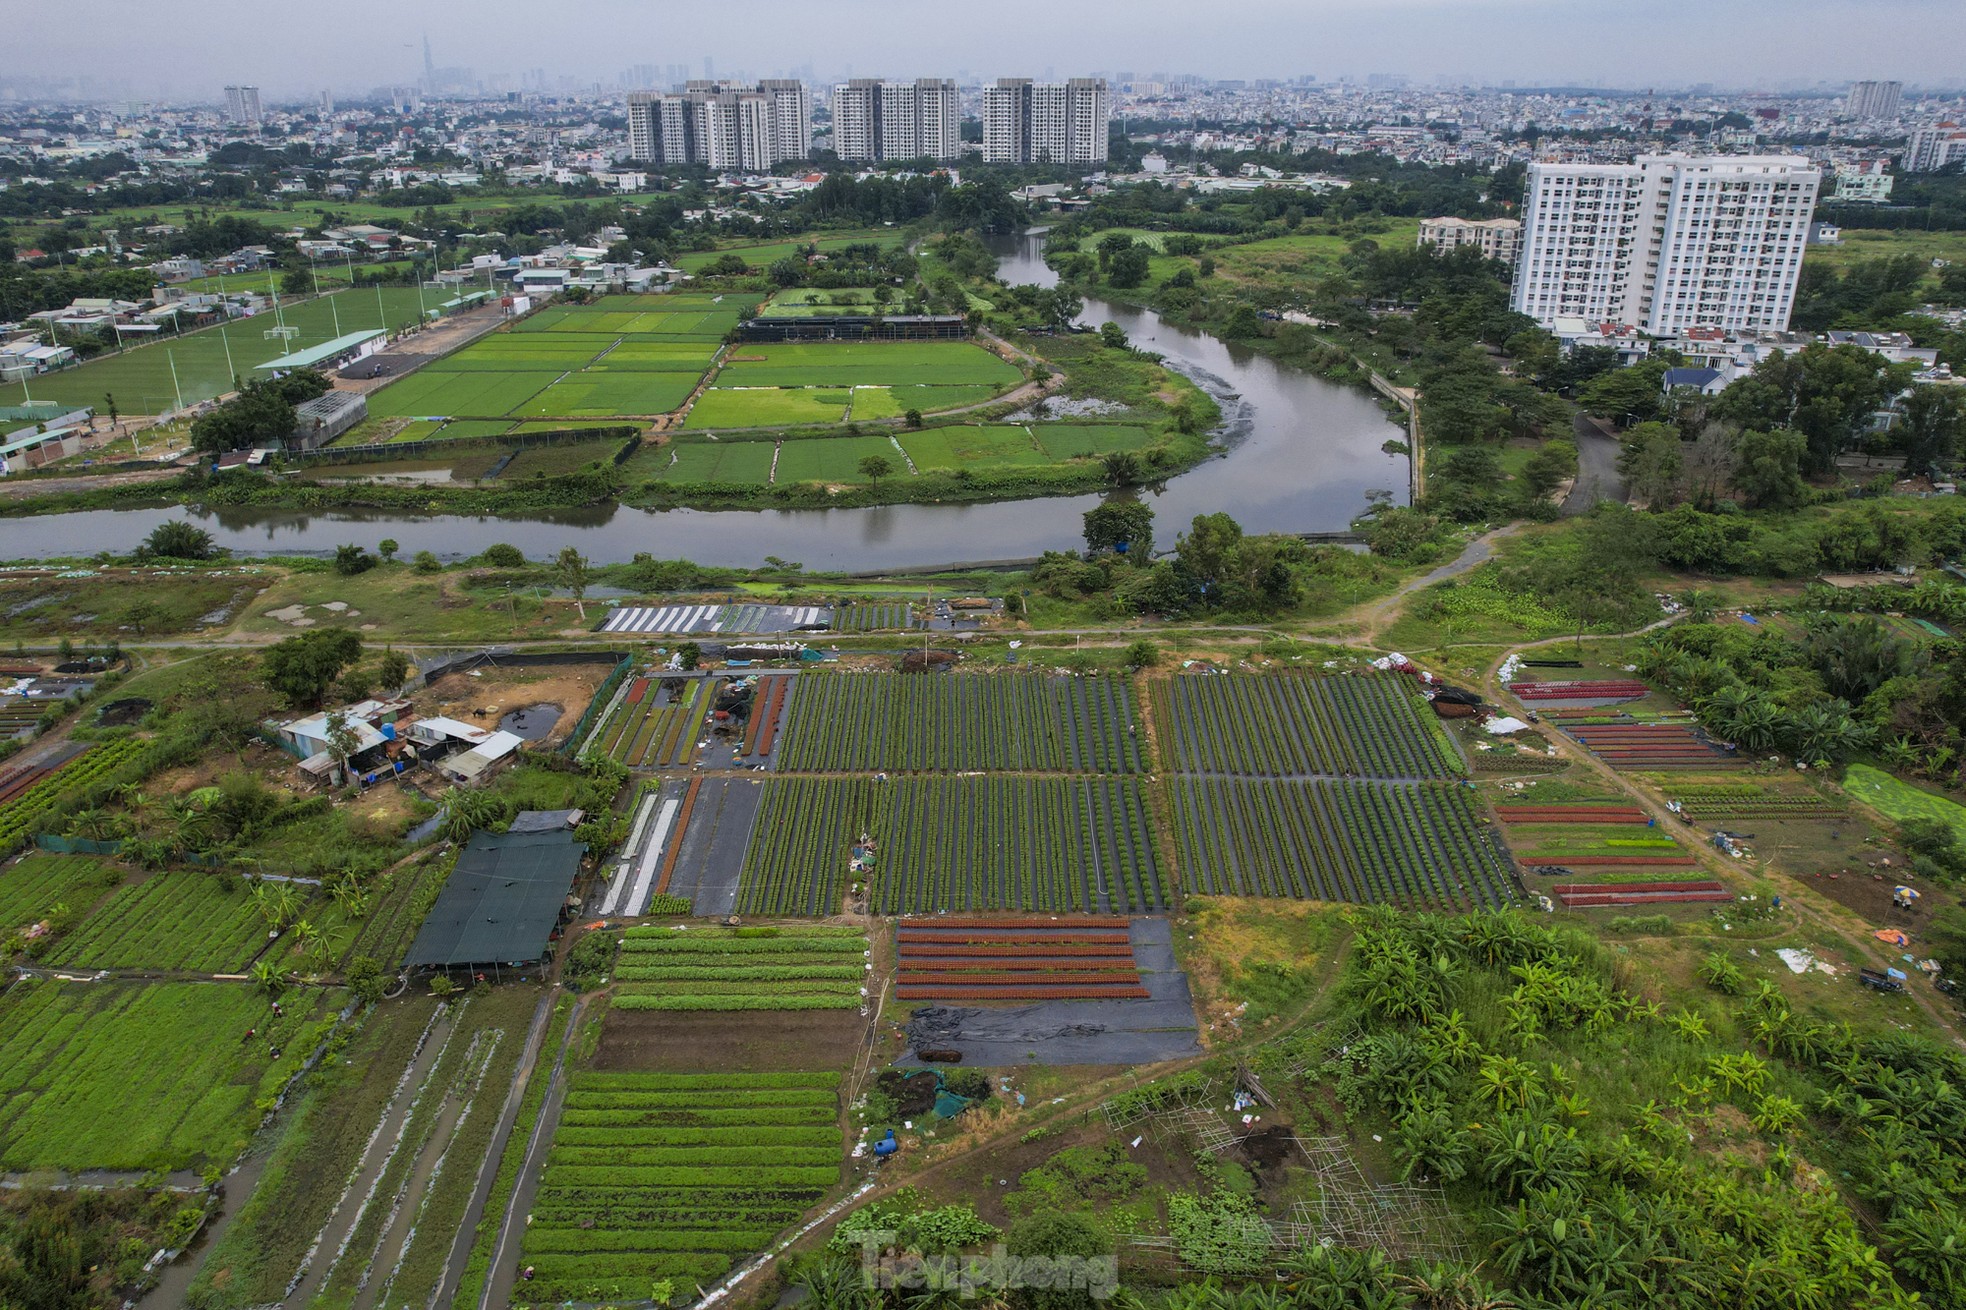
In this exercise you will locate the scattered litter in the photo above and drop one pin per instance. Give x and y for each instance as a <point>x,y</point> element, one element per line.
<point>1798,961</point>
<point>1138,1140</point>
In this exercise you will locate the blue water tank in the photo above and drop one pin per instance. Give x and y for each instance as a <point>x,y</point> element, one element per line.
<point>886,1146</point>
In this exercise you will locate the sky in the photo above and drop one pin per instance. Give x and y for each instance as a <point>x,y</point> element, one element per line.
<point>189,49</point>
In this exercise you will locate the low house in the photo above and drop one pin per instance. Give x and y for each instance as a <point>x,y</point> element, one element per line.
<point>1705,381</point>
<point>371,723</point>
<point>477,766</point>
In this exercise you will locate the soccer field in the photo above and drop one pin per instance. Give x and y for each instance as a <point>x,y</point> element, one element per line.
<point>141,378</point>
<point>766,407</point>
<point>877,363</point>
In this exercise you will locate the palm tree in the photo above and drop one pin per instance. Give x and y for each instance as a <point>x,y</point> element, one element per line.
<point>1506,1080</point>
<point>268,977</point>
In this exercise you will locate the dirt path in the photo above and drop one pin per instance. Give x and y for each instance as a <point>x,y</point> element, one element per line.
<point>504,1271</point>
<point>28,488</point>
<point>1370,619</point>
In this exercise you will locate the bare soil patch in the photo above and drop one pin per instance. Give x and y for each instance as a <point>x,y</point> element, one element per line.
<point>744,1042</point>
<point>484,696</point>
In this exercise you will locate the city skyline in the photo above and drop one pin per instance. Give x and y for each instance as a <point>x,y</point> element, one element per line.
<point>187,51</point>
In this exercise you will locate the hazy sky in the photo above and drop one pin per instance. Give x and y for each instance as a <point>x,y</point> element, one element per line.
<point>181,47</point>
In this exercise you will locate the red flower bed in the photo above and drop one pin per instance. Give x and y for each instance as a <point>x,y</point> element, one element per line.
<point>906,993</point>
<point>1000,951</point>
<point>1112,964</point>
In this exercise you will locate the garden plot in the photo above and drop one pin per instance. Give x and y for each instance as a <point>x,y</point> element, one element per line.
<point>963,446</point>
<point>969,843</point>
<point>1015,960</point>
<point>767,407</point>
<point>609,395</point>
<point>1016,721</point>
<point>33,889</point>
<point>814,968</point>
<point>35,789</point>
<point>434,393</point>
<point>144,1076</point>
<point>715,823</point>
<point>731,463</point>
<point>676,1176</point>
<point>1284,725</point>
<point>1417,846</point>
<point>651,835</point>
<point>654,721</point>
<point>1078,440</point>
<point>1633,745</point>
<point>1748,801</point>
<point>874,617</point>
<point>194,921</point>
<point>832,460</point>
<point>871,402</point>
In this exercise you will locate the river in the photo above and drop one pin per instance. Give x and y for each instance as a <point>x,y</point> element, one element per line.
<point>1299,455</point>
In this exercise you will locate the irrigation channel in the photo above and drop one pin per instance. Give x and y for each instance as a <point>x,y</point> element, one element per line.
<point>1299,455</point>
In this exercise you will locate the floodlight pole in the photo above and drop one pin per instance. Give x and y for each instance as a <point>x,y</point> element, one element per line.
<point>174,382</point>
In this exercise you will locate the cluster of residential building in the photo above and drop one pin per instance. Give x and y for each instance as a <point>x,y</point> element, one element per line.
<point>722,125</point>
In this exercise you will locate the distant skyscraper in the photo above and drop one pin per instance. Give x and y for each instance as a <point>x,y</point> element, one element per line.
<point>242,104</point>
<point>429,66</point>
<point>1666,243</point>
<point>1875,99</point>
<point>1026,122</point>
<point>724,127</point>
<point>1933,148</point>
<point>875,120</point>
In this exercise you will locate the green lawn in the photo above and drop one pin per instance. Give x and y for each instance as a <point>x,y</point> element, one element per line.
<point>1862,244</point>
<point>723,407</point>
<point>839,363</point>
<point>1305,255</point>
<point>140,378</point>
<point>1900,800</point>
<point>971,447</point>
<point>832,459</point>
<point>717,461</point>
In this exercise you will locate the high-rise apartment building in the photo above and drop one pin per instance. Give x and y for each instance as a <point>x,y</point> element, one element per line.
<point>1933,148</point>
<point>724,127</point>
<point>1496,238</point>
<point>875,120</point>
<point>1666,243</point>
<point>1874,99</point>
<point>1026,122</point>
<point>242,104</point>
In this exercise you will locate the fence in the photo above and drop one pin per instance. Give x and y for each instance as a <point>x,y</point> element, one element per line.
<point>394,452</point>
<point>603,697</point>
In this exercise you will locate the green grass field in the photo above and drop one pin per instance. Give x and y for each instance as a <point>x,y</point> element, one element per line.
<point>435,394</point>
<point>143,1076</point>
<point>140,378</point>
<point>971,447</point>
<point>723,407</point>
<point>833,459</point>
<point>554,461</point>
<point>1900,800</point>
<point>891,363</point>
<point>717,461</point>
<point>1071,440</point>
<point>609,395</point>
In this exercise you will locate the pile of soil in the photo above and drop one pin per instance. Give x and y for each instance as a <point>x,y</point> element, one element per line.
<point>1268,1148</point>
<point>913,1093</point>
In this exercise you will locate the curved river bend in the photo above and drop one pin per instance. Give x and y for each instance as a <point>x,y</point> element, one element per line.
<point>1299,455</point>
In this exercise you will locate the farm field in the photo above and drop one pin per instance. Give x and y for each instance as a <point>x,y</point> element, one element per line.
<point>1748,801</point>
<point>832,459</point>
<point>166,1063</point>
<point>1014,721</point>
<point>763,407</point>
<point>877,363</point>
<point>812,968</point>
<point>872,402</point>
<point>761,255</point>
<point>742,462</point>
<point>1015,960</point>
<point>970,843</point>
<point>1416,846</point>
<point>140,377</point>
<point>30,890</point>
<point>42,790</point>
<point>653,725</point>
<point>609,395</point>
<point>1279,725</point>
<point>971,447</point>
<point>1900,800</point>
<point>676,1176</point>
<point>193,921</point>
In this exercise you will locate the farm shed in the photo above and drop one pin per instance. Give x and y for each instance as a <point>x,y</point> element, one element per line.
<point>480,762</point>
<point>502,903</point>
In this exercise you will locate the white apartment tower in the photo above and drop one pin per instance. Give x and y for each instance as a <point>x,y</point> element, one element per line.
<point>1026,122</point>
<point>726,128</point>
<point>1874,99</point>
<point>1666,243</point>
<point>875,120</point>
<point>242,104</point>
<point>1933,148</point>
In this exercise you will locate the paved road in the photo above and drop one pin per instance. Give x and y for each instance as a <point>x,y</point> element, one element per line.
<point>1597,469</point>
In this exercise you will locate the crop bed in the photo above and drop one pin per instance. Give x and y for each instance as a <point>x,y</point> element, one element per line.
<point>1012,721</point>
<point>676,1176</point>
<point>1581,812</point>
<point>649,728</point>
<point>1585,895</point>
<point>31,889</point>
<point>193,921</point>
<point>1606,689</point>
<point>1282,725</point>
<point>42,792</point>
<point>1016,960</point>
<point>971,843</point>
<point>1650,746</point>
<point>1416,846</point>
<point>1751,803</point>
<point>873,618</point>
<point>812,968</point>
